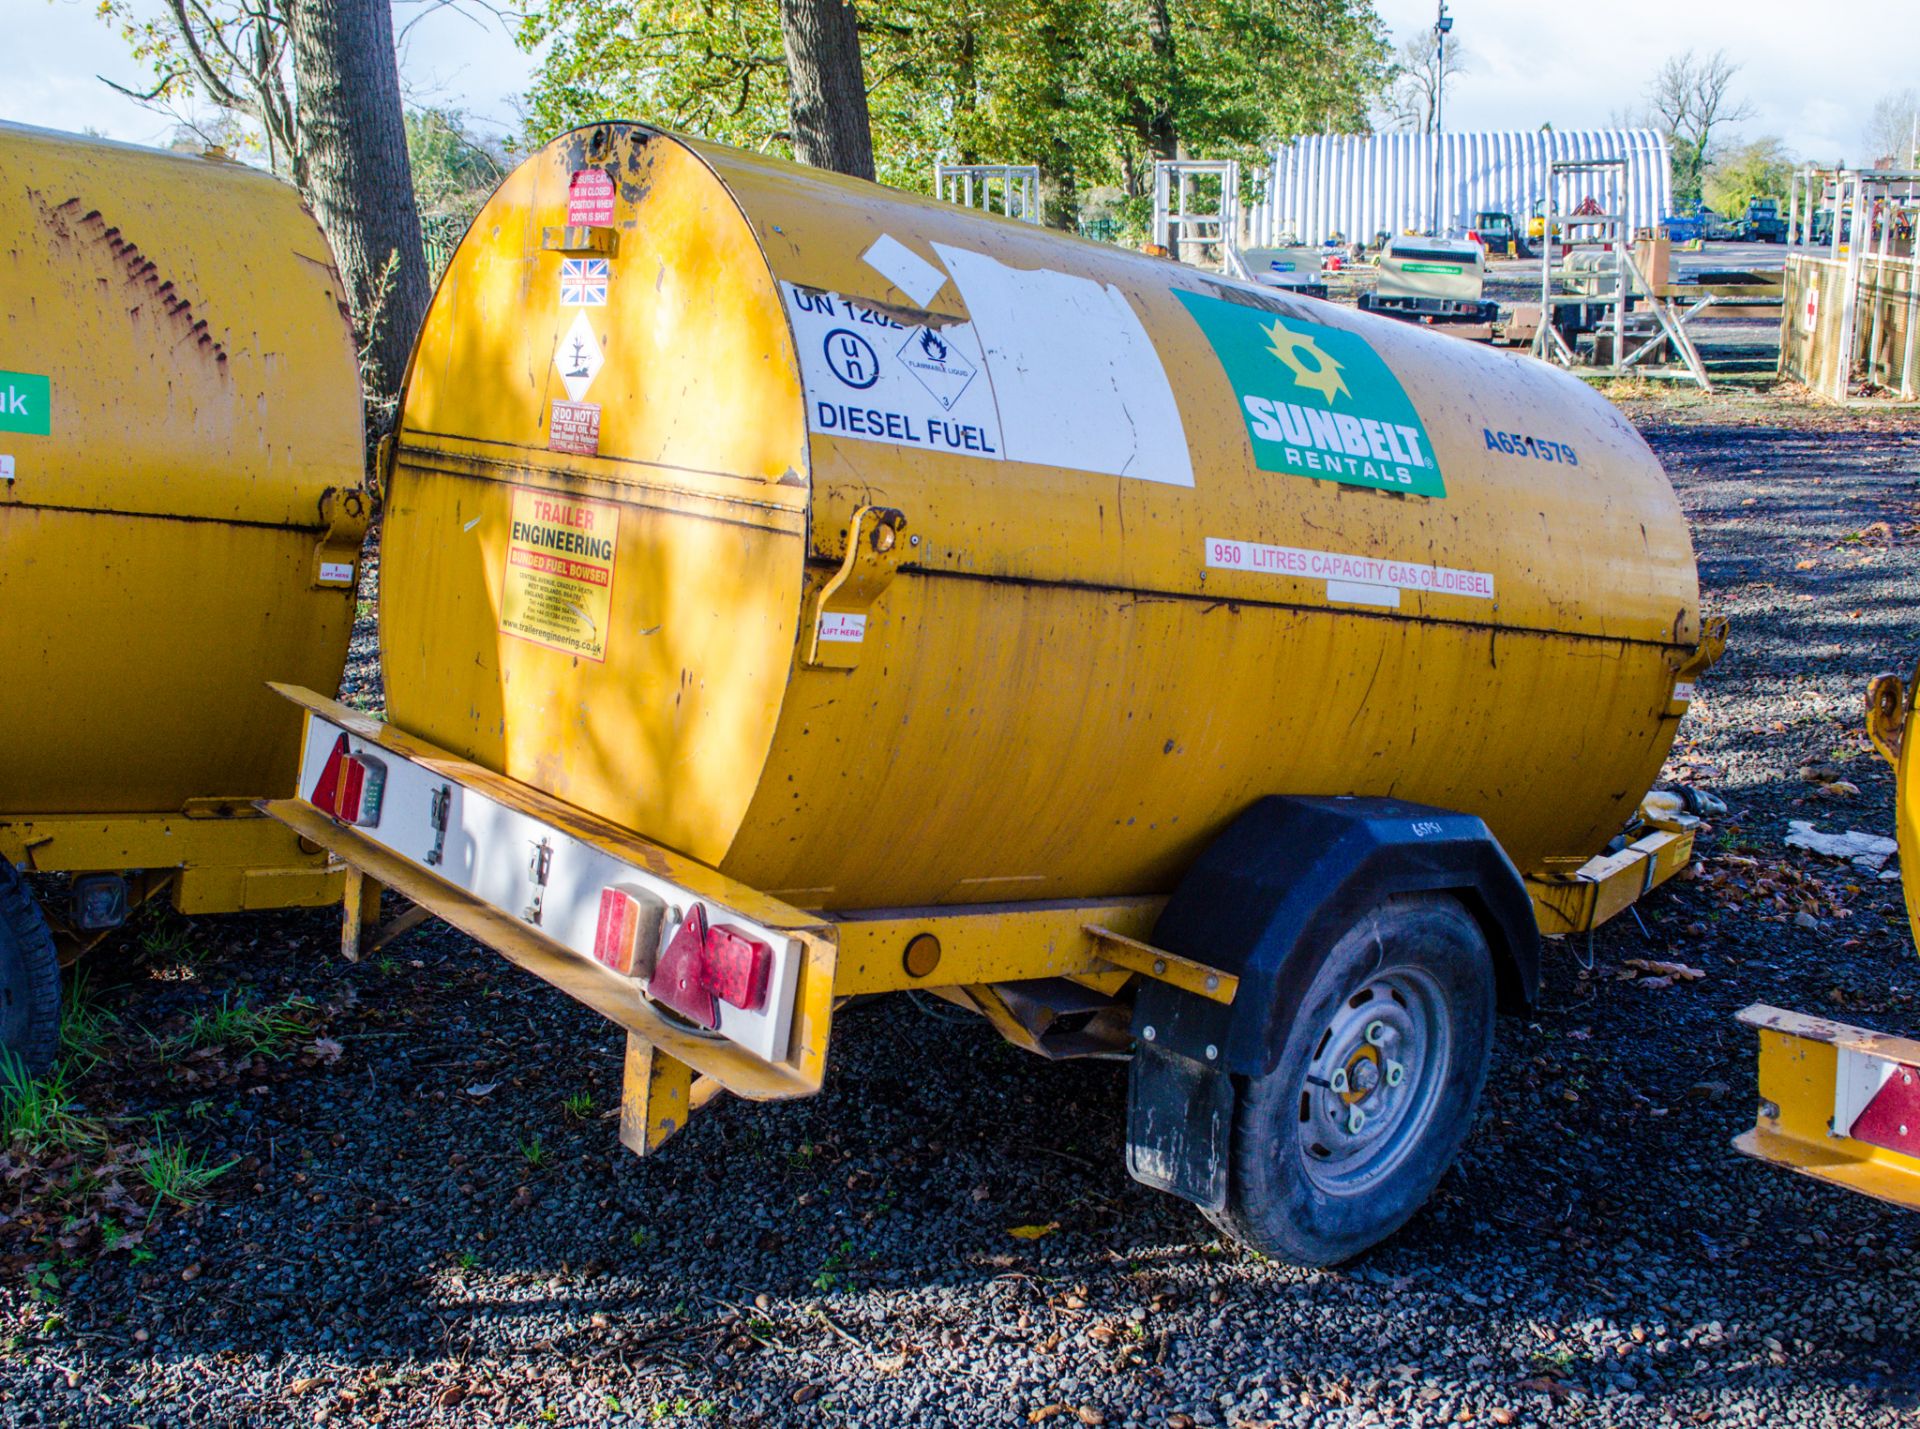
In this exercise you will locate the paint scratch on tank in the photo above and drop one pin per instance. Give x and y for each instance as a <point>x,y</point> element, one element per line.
<point>73,224</point>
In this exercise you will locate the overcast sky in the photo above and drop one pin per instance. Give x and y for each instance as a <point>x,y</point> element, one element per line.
<point>1811,74</point>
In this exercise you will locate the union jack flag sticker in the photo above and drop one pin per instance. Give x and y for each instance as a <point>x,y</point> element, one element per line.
<point>583,282</point>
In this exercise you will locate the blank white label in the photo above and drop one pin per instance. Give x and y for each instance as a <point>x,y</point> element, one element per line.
<point>6,468</point>
<point>1353,593</point>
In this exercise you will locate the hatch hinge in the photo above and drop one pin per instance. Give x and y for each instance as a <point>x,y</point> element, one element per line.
<point>836,626</point>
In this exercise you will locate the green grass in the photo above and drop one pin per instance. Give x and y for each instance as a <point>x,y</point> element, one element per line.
<point>39,1111</point>
<point>175,1172</point>
<point>579,1105</point>
<point>84,1027</point>
<point>271,1031</point>
<point>533,1153</point>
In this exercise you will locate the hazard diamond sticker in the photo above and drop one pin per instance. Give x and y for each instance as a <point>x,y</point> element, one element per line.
<point>579,358</point>
<point>942,369</point>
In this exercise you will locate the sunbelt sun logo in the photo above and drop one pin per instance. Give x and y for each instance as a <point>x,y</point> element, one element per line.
<point>1317,401</point>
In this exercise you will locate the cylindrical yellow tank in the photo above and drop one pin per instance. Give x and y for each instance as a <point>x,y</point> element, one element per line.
<point>1170,543</point>
<point>179,434</point>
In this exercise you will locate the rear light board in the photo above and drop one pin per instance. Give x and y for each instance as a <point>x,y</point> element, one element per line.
<point>734,976</point>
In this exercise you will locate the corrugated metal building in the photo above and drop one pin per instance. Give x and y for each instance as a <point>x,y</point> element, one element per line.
<point>1357,185</point>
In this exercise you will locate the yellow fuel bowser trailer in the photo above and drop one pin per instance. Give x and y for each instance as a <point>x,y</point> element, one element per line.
<point>1841,1103</point>
<point>180,514</point>
<point>795,590</point>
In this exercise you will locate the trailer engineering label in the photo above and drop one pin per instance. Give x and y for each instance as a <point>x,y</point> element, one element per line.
<point>557,588</point>
<point>1317,401</point>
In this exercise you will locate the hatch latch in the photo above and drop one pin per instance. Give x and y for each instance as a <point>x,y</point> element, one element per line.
<point>836,627</point>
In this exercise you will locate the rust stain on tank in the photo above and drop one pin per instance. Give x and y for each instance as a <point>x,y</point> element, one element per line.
<point>73,224</point>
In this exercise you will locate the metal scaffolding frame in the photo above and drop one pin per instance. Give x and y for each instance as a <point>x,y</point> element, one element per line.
<point>1183,223</point>
<point>1016,186</point>
<point>1616,277</point>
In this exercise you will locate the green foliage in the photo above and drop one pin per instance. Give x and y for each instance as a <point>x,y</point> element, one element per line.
<point>269,1031</point>
<point>1090,90</point>
<point>454,169</point>
<point>174,1172</point>
<point>1761,168</point>
<point>38,1112</point>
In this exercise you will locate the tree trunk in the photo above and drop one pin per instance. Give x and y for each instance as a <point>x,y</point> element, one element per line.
<point>353,142</point>
<point>826,87</point>
<point>1161,136</point>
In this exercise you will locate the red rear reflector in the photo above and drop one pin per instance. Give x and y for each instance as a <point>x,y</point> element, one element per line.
<point>701,964</point>
<point>350,786</point>
<point>736,967</point>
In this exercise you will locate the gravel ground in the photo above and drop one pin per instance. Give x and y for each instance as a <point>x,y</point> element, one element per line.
<point>429,1219</point>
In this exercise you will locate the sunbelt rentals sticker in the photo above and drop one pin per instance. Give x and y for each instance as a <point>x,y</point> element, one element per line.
<point>1317,401</point>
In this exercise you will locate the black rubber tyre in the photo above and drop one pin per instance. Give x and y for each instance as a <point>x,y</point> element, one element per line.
<point>29,977</point>
<point>1408,989</point>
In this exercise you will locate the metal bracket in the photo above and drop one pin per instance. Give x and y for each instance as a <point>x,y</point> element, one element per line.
<point>1887,717</point>
<point>336,556</point>
<point>836,625</point>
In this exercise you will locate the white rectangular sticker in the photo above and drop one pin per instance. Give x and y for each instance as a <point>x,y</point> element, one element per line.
<point>905,269</point>
<point>1353,593</point>
<point>836,626</point>
<point>1331,566</point>
<point>336,572</point>
<point>1078,381</point>
<point>1050,368</point>
<point>6,468</point>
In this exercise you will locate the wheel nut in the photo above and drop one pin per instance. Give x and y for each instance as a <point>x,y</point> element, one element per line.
<point>1376,1032</point>
<point>1396,1074</point>
<point>1356,1119</point>
<point>1338,1081</point>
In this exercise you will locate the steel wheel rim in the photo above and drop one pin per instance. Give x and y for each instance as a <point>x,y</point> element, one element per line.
<point>1372,1087</point>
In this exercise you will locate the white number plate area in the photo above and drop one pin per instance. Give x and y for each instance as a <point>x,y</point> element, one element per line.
<point>489,851</point>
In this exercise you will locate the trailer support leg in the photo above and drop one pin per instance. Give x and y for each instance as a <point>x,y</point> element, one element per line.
<point>657,1096</point>
<point>360,913</point>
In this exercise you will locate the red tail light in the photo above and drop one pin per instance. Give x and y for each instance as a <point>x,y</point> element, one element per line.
<point>701,964</point>
<point>627,932</point>
<point>350,786</point>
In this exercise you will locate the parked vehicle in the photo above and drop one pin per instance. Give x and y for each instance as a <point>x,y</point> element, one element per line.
<point>1499,235</point>
<point>1763,222</point>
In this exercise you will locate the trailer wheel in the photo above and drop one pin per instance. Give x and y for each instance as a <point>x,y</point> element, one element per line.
<point>29,977</point>
<point>1338,1146</point>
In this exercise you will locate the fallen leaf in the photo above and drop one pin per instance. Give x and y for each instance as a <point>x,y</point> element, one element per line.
<point>1033,1232</point>
<point>1045,1412</point>
<point>483,1089</point>
<point>1672,972</point>
<point>1088,1415</point>
<point>327,1050</point>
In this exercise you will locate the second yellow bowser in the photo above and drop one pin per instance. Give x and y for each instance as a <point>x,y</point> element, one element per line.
<point>1166,544</point>
<point>795,589</point>
<point>1841,1103</point>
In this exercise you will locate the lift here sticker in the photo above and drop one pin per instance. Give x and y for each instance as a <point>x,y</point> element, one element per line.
<point>1317,401</point>
<point>557,590</point>
<point>26,403</point>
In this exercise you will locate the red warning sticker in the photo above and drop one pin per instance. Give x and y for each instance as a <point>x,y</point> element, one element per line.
<point>589,199</point>
<point>574,427</point>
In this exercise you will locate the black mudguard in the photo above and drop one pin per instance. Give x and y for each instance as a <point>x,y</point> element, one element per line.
<point>1267,901</point>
